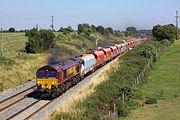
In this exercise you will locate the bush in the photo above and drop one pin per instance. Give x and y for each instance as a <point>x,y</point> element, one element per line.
<point>165,32</point>
<point>151,101</point>
<point>100,29</point>
<point>165,42</point>
<point>61,37</point>
<point>39,41</point>
<point>12,29</point>
<point>84,29</point>
<point>67,30</point>
<point>122,110</point>
<point>130,30</point>
<point>149,51</point>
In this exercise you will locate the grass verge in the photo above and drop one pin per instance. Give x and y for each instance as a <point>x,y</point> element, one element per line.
<point>162,83</point>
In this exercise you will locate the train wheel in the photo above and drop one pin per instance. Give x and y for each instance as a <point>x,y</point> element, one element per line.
<point>74,81</point>
<point>54,95</point>
<point>63,87</point>
<point>68,85</point>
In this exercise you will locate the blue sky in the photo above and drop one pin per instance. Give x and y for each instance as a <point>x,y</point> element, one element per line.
<point>144,14</point>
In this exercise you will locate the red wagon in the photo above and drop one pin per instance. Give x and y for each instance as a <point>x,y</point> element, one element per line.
<point>100,58</point>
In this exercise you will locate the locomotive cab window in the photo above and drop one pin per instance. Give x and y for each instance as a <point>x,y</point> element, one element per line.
<point>41,74</point>
<point>52,75</point>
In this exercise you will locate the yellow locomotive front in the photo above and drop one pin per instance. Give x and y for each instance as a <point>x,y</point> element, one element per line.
<point>46,80</point>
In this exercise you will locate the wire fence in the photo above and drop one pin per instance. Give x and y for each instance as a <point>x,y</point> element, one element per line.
<point>141,75</point>
<point>133,86</point>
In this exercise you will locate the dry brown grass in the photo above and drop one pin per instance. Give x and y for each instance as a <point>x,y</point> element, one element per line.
<point>22,70</point>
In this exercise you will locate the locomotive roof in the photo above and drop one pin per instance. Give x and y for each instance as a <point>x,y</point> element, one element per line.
<point>62,65</point>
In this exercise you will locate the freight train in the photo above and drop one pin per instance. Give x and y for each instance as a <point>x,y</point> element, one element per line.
<point>54,79</point>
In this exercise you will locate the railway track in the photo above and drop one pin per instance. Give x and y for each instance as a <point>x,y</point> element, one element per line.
<point>7,103</point>
<point>21,106</point>
<point>12,100</point>
<point>29,110</point>
<point>45,105</point>
<point>17,94</point>
<point>19,112</point>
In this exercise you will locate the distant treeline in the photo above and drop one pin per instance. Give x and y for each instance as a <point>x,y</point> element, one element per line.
<point>41,40</point>
<point>88,29</point>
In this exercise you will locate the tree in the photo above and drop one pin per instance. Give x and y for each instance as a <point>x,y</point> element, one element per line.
<point>100,29</point>
<point>67,30</point>
<point>61,29</point>
<point>34,44</point>
<point>110,30</point>
<point>118,33</point>
<point>164,32</point>
<point>106,32</point>
<point>131,30</point>
<point>93,27</point>
<point>39,41</point>
<point>12,29</point>
<point>157,31</point>
<point>47,38</point>
<point>84,29</point>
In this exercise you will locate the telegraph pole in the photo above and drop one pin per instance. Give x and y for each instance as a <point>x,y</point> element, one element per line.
<point>1,42</point>
<point>177,28</point>
<point>52,25</point>
<point>37,27</point>
<point>97,43</point>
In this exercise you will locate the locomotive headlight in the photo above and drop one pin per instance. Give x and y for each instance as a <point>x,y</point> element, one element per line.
<point>39,86</point>
<point>53,86</point>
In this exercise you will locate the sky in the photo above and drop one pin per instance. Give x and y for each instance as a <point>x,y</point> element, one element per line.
<point>118,14</point>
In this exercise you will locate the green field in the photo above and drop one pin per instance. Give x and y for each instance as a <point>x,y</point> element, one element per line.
<point>19,67</point>
<point>13,43</point>
<point>163,83</point>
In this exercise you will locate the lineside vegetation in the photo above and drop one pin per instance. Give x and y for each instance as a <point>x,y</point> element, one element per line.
<point>101,103</point>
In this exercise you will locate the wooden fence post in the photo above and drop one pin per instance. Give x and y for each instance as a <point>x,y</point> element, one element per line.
<point>137,80</point>
<point>114,109</point>
<point>123,97</point>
